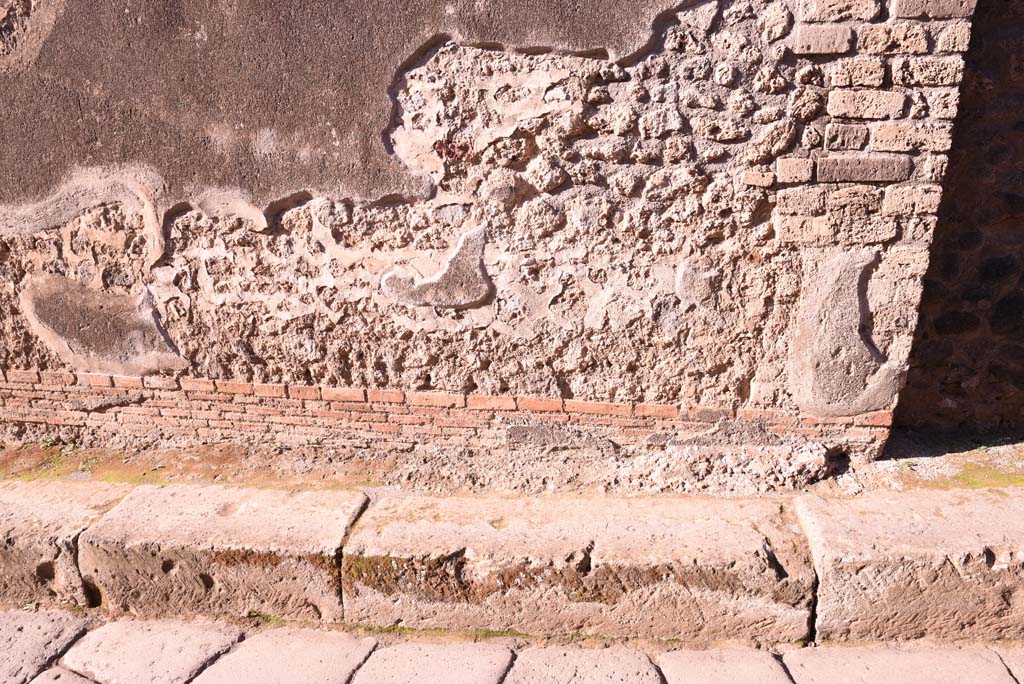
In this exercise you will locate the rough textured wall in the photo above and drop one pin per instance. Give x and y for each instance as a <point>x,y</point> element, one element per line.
<point>967,367</point>
<point>730,210</point>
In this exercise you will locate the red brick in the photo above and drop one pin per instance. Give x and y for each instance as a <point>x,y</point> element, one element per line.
<point>408,420</point>
<point>538,404</point>
<point>23,376</point>
<point>160,382</point>
<point>385,396</point>
<point>656,410</point>
<point>95,380</point>
<point>198,385</point>
<point>268,390</point>
<point>57,378</point>
<point>876,419</point>
<point>708,414</point>
<point>343,394</point>
<point>304,392</point>
<point>599,408</point>
<point>127,381</point>
<point>232,387</point>
<point>481,402</point>
<point>440,399</point>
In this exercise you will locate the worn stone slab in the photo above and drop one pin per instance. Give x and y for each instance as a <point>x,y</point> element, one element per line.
<point>666,568</point>
<point>414,663</point>
<point>296,656</point>
<point>60,675</point>
<point>1013,658</point>
<point>722,666</point>
<point>582,666</point>
<point>40,522</point>
<point>139,652</point>
<point>219,550</point>
<point>29,641</point>
<point>892,665</point>
<point>914,564</point>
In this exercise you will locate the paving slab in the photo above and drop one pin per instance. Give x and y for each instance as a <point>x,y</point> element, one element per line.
<point>896,665</point>
<point>29,641</point>
<point>1013,658</point>
<point>931,564</point>
<point>582,666</point>
<point>40,523</point>
<point>296,656</point>
<point>220,550</point>
<point>436,664</point>
<point>140,652</point>
<point>722,666</point>
<point>667,568</point>
<point>60,675</point>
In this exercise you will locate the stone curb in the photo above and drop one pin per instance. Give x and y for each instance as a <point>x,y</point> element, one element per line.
<point>884,566</point>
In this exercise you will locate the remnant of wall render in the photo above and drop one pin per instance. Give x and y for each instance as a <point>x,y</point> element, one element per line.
<point>737,218</point>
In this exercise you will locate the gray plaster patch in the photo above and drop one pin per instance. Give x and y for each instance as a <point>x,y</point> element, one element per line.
<point>461,284</point>
<point>98,331</point>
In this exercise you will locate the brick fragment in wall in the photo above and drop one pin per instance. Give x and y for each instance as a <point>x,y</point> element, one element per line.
<point>801,201</point>
<point>794,170</point>
<point>955,37</point>
<point>822,39</point>
<point>909,137</point>
<point>932,9</point>
<point>864,168</point>
<point>866,104</point>
<point>867,72</point>
<point>927,71</point>
<point>943,103</point>
<point>904,200</point>
<point>888,39</point>
<point>846,136</point>
<point>838,10</point>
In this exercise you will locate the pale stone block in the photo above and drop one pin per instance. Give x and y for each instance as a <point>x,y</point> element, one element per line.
<point>722,666</point>
<point>918,564</point>
<point>414,663</point>
<point>582,666</point>
<point>889,665</point>
<point>887,39</point>
<point>909,137</point>
<point>866,72</point>
<point>838,10</point>
<point>866,104</point>
<point>297,656</point>
<point>659,568</point>
<point>220,550</point>
<point>864,169</point>
<point>134,652</point>
<point>794,170</point>
<point>933,9</point>
<point>815,39</point>
<point>846,136</point>
<point>31,640</point>
<point>928,71</point>
<point>41,521</point>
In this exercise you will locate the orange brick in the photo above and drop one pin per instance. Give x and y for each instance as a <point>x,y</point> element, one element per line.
<point>232,387</point>
<point>875,419</point>
<point>488,403</point>
<point>385,396</point>
<point>268,390</point>
<point>599,408</point>
<point>160,382</point>
<point>22,376</point>
<point>128,381</point>
<point>95,380</point>
<point>198,385</point>
<point>440,399</point>
<point>343,394</point>
<point>656,410</point>
<point>538,404</point>
<point>305,392</point>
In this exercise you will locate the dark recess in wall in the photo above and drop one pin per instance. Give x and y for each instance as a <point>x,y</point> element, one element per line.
<point>967,364</point>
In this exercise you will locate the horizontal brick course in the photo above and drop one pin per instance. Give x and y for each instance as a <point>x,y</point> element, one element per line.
<point>864,169</point>
<point>866,104</point>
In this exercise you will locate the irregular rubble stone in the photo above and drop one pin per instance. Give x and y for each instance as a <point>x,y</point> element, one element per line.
<point>582,666</point>
<point>917,564</point>
<point>660,568</point>
<point>29,641</point>
<point>450,663</point>
<point>218,550</point>
<point>721,666</point>
<point>888,665</point>
<point>98,331</point>
<point>298,656</point>
<point>136,652</point>
<point>39,524</point>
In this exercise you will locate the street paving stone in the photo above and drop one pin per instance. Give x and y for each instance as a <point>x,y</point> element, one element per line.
<point>414,663</point>
<point>29,641</point>
<point>582,666</point>
<point>897,665</point>
<point>721,666</point>
<point>59,675</point>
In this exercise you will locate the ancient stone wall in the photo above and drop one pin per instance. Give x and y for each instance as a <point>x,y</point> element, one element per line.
<point>967,367</point>
<point>728,214</point>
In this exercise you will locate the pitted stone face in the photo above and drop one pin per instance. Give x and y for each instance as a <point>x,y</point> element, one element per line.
<point>98,331</point>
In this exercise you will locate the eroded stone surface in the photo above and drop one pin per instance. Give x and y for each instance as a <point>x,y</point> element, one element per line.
<point>29,641</point>
<point>582,666</point>
<point>662,568</point>
<point>886,665</point>
<point>218,550</point>
<point>138,652</point>
<point>436,663</point>
<point>297,656</point>
<point>721,666</point>
<point>98,331</point>
<point>915,564</point>
<point>60,675</point>
<point>40,523</point>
